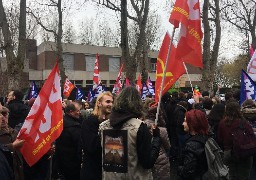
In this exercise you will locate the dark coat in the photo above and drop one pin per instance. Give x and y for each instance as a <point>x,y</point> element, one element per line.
<point>91,146</point>
<point>6,172</point>
<point>194,158</point>
<point>68,149</point>
<point>18,112</point>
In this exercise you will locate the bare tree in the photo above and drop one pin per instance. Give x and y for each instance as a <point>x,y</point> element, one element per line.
<point>242,15</point>
<point>57,33</point>
<point>140,55</point>
<point>212,30</point>
<point>69,33</point>
<point>15,63</point>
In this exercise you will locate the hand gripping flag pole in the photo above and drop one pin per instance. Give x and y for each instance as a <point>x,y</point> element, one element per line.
<point>164,74</point>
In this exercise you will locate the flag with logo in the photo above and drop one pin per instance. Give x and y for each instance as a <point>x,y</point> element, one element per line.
<point>251,67</point>
<point>144,92</point>
<point>33,91</point>
<point>68,87</point>
<point>90,95</point>
<point>248,88</point>
<point>150,87</point>
<point>127,82</point>
<point>174,69</point>
<point>79,94</point>
<point>96,80</point>
<point>187,14</point>
<point>44,123</point>
<point>139,85</point>
<point>99,89</point>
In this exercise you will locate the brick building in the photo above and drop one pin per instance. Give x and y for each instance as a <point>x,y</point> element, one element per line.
<point>79,64</point>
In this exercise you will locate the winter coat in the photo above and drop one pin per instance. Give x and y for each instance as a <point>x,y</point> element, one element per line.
<point>161,169</point>
<point>68,150</point>
<point>18,112</point>
<point>194,158</point>
<point>144,148</point>
<point>90,143</point>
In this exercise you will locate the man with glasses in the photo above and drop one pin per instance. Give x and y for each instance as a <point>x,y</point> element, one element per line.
<point>68,152</point>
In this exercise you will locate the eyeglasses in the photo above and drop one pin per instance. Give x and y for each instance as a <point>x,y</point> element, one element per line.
<point>5,114</point>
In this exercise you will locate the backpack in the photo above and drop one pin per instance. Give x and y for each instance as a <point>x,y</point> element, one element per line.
<point>244,141</point>
<point>217,170</point>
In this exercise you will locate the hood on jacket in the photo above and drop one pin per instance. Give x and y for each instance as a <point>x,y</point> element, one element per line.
<point>118,118</point>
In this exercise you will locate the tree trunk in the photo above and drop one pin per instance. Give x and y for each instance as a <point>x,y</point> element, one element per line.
<point>59,45</point>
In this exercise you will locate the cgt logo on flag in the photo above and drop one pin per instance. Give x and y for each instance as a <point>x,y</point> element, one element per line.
<point>68,87</point>
<point>44,122</point>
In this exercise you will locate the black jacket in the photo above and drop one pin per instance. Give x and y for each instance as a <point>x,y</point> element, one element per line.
<point>18,112</point>
<point>194,158</point>
<point>68,149</point>
<point>90,143</point>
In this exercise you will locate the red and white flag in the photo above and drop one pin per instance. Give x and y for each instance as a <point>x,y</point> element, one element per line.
<point>118,85</point>
<point>44,123</point>
<point>96,81</point>
<point>251,67</point>
<point>68,87</point>
<point>139,84</point>
<point>187,13</point>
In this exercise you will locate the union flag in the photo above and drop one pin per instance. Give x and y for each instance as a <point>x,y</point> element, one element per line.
<point>68,87</point>
<point>44,123</point>
<point>187,13</point>
<point>174,69</point>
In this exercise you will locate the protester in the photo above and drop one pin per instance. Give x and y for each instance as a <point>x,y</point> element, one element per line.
<point>194,159</point>
<point>92,160</point>
<point>129,151</point>
<point>238,168</point>
<point>161,169</point>
<point>68,151</point>
<point>18,110</point>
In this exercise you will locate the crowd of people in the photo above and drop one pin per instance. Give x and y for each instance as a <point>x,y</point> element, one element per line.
<point>115,137</point>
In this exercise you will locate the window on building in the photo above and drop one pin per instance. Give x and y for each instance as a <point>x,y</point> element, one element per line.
<point>68,61</point>
<point>90,62</point>
<point>153,64</point>
<point>89,82</point>
<point>77,83</point>
<point>114,64</point>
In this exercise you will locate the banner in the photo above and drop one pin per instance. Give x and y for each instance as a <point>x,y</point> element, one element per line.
<point>150,87</point>
<point>44,123</point>
<point>96,80</point>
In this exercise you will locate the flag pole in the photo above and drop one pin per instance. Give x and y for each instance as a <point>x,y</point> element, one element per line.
<point>188,76</point>
<point>164,73</point>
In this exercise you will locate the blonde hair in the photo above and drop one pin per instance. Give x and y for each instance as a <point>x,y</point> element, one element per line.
<point>96,110</point>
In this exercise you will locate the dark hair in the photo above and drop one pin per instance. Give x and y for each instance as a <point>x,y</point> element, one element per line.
<point>228,96</point>
<point>129,100</point>
<point>216,114</point>
<point>207,103</point>
<point>233,112</point>
<point>18,95</point>
<point>197,121</point>
<point>205,93</point>
<point>190,95</point>
<point>70,107</point>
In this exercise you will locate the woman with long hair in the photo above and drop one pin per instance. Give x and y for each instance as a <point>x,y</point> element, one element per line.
<point>239,169</point>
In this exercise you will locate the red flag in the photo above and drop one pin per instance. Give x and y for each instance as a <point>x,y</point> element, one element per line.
<point>96,72</point>
<point>139,84</point>
<point>118,85</point>
<point>44,122</point>
<point>189,44</point>
<point>68,87</point>
<point>127,82</point>
<point>174,70</point>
